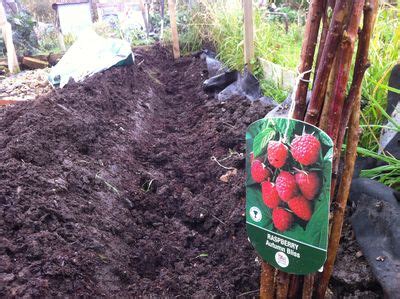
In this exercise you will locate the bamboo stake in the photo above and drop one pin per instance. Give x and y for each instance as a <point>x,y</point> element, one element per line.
<point>344,60</point>
<point>361,65</point>
<point>307,56</point>
<point>267,281</point>
<point>174,29</point>
<point>335,32</point>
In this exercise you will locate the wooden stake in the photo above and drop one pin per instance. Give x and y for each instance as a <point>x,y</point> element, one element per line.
<point>282,287</point>
<point>343,60</point>
<point>144,15</point>
<point>332,42</point>
<point>6,29</point>
<point>248,33</point>
<point>341,201</point>
<point>361,64</point>
<point>162,19</point>
<point>307,56</point>
<point>61,42</point>
<point>308,286</point>
<point>267,281</point>
<point>326,20</point>
<point>174,28</point>
<point>352,103</point>
<point>324,118</point>
<point>295,285</point>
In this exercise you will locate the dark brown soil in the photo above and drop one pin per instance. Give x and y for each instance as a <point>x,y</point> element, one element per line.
<point>109,187</point>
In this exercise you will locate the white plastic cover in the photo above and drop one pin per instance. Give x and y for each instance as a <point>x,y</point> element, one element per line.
<point>90,54</point>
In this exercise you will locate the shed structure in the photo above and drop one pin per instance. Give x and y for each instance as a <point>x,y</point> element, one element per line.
<point>73,16</point>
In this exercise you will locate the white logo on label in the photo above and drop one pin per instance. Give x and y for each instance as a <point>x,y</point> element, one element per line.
<point>282,259</point>
<point>255,214</point>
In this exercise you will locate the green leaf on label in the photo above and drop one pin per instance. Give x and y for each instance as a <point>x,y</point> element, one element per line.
<point>286,127</point>
<point>314,233</point>
<point>329,155</point>
<point>261,141</point>
<point>325,139</point>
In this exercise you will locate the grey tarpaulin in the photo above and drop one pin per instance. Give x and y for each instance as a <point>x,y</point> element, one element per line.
<point>376,223</point>
<point>390,138</point>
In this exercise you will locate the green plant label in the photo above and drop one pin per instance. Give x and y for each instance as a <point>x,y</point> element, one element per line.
<point>289,167</point>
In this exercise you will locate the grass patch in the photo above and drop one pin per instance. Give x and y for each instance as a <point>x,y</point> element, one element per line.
<point>221,24</point>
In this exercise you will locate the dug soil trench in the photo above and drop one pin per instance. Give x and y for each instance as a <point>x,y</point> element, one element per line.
<point>112,187</point>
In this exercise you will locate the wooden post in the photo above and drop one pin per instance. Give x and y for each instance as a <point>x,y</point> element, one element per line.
<point>248,33</point>
<point>144,15</point>
<point>60,36</point>
<point>174,29</point>
<point>61,42</point>
<point>162,19</point>
<point>267,281</point>
<point>7,36</point>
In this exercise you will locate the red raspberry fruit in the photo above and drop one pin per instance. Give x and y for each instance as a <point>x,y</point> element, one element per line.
<point>301,207</point>
<point>259,172</point>
<point>286,185</point>
<point>269,195</point>
<point>277,153</point>
<point>308,183</point>
<point>282,219</point>
<point>305,149</point>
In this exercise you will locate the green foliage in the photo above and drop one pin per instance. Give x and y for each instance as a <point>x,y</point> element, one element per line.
<point>69,39</point>
<point>270,89</point>
<point>24,37</point>
<point>134,35</point>
<point>388,174</point>
<point>48,42</point>
<point>291,15</point>
<point>384,54</point>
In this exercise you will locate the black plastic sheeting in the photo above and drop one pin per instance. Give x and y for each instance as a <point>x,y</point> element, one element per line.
<point>220,82</point>
<point>227,84</point>
<point>376,224</point>
<point>394,82</point>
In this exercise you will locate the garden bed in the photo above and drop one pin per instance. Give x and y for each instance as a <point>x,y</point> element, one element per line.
<point>111,187</point>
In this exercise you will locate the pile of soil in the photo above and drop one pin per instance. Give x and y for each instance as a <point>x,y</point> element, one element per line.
<point>111,187</point>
